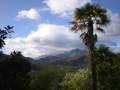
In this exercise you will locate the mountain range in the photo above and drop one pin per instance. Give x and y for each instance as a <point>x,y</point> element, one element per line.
<point>75,58</point>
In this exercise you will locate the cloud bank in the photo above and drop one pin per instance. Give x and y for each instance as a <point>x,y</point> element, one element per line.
<point>47,39</point>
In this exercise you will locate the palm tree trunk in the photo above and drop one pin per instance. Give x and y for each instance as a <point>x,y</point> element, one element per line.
<point>92,55</point>
<point>93,70</point>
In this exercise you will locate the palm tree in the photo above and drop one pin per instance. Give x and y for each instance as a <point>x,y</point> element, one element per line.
<point>84,20</point>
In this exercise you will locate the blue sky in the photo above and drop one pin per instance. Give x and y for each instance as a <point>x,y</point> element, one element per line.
<point>10,9</point>
<point>35,23</point>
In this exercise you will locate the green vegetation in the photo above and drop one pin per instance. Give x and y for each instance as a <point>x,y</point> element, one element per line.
<point>76,80</point>
<point>14,72</point>
<point>47,79</point>
<point>108,70</point>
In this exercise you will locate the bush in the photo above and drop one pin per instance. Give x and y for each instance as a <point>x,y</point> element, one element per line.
<point>76,81</point>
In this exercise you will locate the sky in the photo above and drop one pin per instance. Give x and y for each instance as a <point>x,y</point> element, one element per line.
<point>42,27</point>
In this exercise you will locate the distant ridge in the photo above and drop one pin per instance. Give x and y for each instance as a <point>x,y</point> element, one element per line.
<point>74,58</point>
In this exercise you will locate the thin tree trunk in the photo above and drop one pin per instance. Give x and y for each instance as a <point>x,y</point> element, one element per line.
<point>93,70</point>
<point>92,55</point>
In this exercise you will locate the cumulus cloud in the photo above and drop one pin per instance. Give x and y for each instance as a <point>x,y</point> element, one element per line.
<point>32,14</point>
<point>113,28</point>
<point>64,7</point>
<point>47,39</point>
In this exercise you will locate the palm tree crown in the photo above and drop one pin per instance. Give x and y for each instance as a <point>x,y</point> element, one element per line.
<point>93,14</point>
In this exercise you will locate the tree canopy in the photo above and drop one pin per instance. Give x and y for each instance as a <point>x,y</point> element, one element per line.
<point>14,72</point>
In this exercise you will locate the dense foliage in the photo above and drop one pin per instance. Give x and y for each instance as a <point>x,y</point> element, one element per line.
<point>14,72</point>
<point>108,71</point>
<point>47,79</point>
<point>76,80</point>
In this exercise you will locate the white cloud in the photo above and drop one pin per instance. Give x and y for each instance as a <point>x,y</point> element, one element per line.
<point>113,28</point>
<point>32,14</point>
<point>47,39</point>
<point>64,7</point>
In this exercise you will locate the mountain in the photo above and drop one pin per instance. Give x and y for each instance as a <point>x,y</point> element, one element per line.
<point>74,58</point>
<point>70,59</point>
<point>68,54</point>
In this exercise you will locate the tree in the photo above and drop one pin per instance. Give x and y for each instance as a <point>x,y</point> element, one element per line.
<point>4,33</point>
<point>84,20</point>
<point>108,71</point>
<point>14,72</point>
<point>103,54</point>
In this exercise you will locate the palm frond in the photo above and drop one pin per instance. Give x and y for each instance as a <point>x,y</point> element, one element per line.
<point>100,29</point>
<point>95,38</point>
<point>74,27</point>
<point>101,13</point>
<point>2,43</point>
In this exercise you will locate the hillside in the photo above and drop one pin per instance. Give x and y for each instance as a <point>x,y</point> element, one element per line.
<point>71,59</point>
